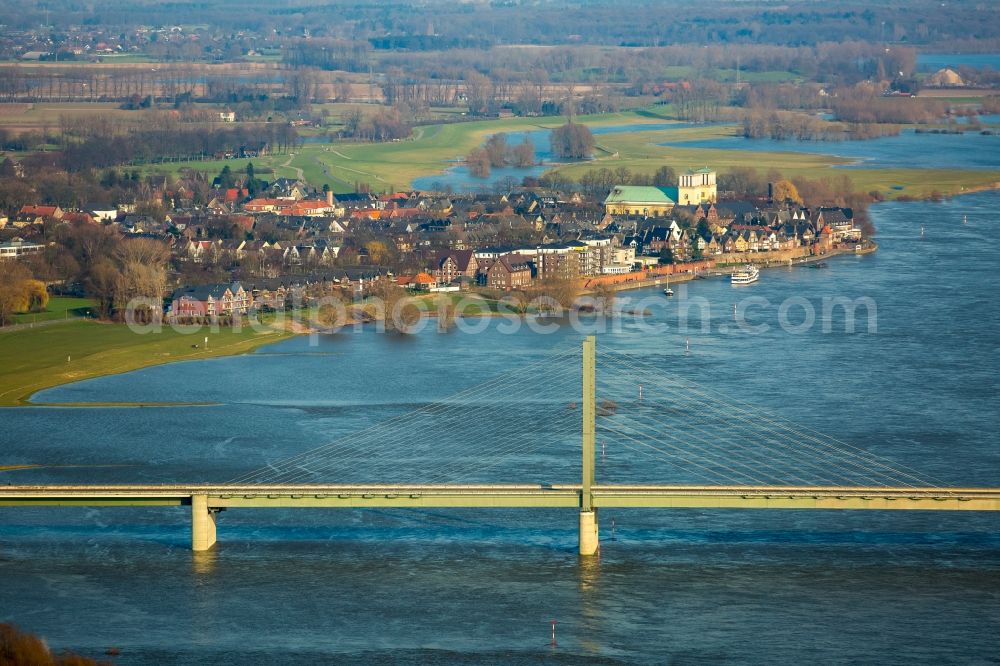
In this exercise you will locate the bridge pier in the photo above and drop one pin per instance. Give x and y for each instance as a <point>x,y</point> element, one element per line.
<point>589,542</point>
<point>202,524</point>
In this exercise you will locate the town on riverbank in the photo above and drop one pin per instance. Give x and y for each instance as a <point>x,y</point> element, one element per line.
<point>288,246</point>
<point>278,254</point>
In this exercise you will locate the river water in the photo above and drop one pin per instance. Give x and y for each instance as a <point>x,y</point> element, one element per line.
<point>909,149</point>
<point>920,150</point>
<point>462,587</point>
<point>931,62</point>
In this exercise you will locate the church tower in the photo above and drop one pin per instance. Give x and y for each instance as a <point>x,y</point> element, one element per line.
<point>696,186</point>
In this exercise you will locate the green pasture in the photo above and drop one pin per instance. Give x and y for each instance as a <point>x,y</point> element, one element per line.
<point>434,148</point>
<point>35,359</point>
<point>59,307</point>
<point>394,165</point>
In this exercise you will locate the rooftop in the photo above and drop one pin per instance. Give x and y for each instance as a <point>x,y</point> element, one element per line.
<point>640,194</point>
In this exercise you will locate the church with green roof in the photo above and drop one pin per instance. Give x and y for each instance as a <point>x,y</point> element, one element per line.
<point>694,187</point>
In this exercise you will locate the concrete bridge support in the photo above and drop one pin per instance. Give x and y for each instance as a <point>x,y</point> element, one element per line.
<point>588,514</point>
<point>589,543</point>
<point>202,524</point>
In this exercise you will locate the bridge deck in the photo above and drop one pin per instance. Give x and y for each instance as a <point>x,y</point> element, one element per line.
<point>508,495</point>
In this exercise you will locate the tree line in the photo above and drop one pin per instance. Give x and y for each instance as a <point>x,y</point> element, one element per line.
<point>780,125</point>
<point>438,24</point>
<point>97,149</point>
<point>598,182</point>
<point>123,275</point>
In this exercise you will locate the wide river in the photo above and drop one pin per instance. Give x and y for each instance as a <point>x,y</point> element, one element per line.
<point>461,586</point>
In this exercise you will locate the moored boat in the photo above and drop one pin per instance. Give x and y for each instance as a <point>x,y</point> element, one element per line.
<point>746,275</point>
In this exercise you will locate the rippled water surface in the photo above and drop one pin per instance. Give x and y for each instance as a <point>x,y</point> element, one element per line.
<point>909,149</point>
<point>462,586</point>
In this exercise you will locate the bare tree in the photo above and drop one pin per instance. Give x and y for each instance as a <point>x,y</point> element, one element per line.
<point>605,294</point>
<point>401,310</point>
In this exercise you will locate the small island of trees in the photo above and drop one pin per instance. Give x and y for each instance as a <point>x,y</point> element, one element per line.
<point>496,152</point>
<point>572,141</point>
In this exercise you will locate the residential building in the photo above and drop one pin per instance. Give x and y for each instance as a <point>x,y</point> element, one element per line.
<point>509,272</point>
<point>18,248</point>
<point>453,264</point>
<point>210,300</point>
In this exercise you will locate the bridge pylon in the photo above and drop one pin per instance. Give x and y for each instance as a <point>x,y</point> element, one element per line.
<point>203,534</point>
<point>589,542</point>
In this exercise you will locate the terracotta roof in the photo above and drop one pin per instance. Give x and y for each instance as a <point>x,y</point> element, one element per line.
<point>43,211</point>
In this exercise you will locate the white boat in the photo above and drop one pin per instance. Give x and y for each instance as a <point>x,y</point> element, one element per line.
<point>668,291</point>
<point>746,275</point>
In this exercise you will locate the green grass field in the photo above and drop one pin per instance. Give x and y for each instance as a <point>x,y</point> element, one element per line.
<point>35,359</point>
<point>639,152</point>
<point>434,148</point>
<point>36,117</point>
<point>59,307</point>
<point>394,165</point>
<point>472,305</point>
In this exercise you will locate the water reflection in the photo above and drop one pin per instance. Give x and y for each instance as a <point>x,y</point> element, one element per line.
<point>204,562</point>
<point>592,618</point>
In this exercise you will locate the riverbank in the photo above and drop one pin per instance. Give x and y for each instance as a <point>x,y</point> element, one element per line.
<point>654,281</point>
<point>39,358</point>
<point>32,360</point>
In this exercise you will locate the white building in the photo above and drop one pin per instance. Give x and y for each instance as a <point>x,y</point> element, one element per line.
<point>18,248</point>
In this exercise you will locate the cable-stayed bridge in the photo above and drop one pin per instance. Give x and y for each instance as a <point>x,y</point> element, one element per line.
<point>688,447</point>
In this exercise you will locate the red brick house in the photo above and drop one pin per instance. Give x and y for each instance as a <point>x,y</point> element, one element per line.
<point>508,273</point>
<point>453,264</point>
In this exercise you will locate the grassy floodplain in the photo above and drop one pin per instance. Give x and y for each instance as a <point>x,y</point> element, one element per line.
<point>435,148</point>
<point>36,359</point>
<point>59,307</point>
<point>639,152</point>
<point>394,165</point>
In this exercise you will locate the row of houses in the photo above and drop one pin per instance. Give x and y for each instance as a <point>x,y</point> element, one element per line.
<point>317,251</point>
<point>239,298</point>
<point>31,215</point>
<point>759,231</point>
